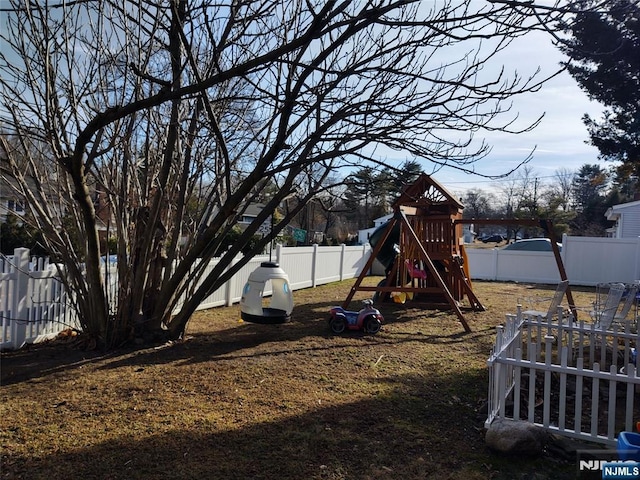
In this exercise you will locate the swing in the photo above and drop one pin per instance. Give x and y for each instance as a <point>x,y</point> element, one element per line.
<point>281,305</point>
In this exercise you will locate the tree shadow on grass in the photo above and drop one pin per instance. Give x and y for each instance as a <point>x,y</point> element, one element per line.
<point>412,429</point>
<point>303,338</point>
<point>308,331</point>
<point>308,325</point>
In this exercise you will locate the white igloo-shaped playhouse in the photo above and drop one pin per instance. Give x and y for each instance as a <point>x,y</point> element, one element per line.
<point>281,300</point>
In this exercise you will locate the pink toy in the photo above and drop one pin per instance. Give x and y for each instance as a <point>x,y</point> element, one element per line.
<point>415,272</point>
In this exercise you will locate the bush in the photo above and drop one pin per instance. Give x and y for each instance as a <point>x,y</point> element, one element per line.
<point>14,233</point>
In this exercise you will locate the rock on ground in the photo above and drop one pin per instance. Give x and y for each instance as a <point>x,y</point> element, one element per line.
<point>515,437</point>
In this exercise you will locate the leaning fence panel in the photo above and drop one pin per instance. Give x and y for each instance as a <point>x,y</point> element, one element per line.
<point>571,379</point>
<point>34,305</point>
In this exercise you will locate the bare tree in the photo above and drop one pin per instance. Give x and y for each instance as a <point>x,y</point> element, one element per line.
<point>561,188</point>
<point>521,198</point>
<point>177,111</point>
<point>477,204</point>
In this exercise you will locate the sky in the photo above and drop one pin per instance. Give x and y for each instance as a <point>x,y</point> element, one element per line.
<point>559,140</point>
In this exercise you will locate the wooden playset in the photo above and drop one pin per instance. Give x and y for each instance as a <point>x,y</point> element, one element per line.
<point>429,266</point>
<point>422,250</point>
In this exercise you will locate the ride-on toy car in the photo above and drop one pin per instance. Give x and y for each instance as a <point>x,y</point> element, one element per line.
<point>368,319</point>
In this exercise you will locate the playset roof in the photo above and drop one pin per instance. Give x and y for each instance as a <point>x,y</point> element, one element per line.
<point>427,193</point>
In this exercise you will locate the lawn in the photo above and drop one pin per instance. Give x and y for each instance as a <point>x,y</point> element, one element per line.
<point>244,401</point>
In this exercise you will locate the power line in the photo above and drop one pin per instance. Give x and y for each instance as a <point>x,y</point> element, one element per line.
<point>538,177</point>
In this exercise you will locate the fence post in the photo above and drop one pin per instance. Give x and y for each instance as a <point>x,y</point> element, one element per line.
<point>366,249</point>
<point>342,249</point>
<point>19,310</point>
<point>494,274</point>
<point>230,287</point>
<point>314,265</point>
<point>637,272</point>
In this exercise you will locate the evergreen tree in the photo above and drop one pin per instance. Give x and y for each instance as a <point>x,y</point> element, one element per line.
<point>15,233</point>
<point>408,173</point>
<point>604,51</point>
<point>365,196</point>
<point>589,195</point>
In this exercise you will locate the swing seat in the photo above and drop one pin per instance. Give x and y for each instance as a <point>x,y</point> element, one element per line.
<point>269,316</point>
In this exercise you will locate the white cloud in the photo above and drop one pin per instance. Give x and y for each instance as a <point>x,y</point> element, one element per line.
<point>559,140</point>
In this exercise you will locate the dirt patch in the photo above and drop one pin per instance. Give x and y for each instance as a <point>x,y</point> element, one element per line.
<point>238,400</point>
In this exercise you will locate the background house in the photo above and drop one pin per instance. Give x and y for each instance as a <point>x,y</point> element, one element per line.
<point>250,214</point>
<point>10,205</point>
<point>363,235</point>
<point>627,218</point>
<point>10,201</point>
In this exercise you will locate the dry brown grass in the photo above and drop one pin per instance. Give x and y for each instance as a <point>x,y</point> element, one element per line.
<point>240,401</point>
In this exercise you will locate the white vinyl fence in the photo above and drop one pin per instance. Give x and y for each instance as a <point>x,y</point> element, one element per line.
<point>570,379</point>
<point>33,302</point>
<point>588,261</point>
<point>34,305</point>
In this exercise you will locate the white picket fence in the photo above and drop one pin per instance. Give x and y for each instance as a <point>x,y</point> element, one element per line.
<point>570,379</point>
<point>34,305</point>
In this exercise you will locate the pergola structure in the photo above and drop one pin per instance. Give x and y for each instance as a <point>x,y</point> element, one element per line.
<point>429,264</point>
